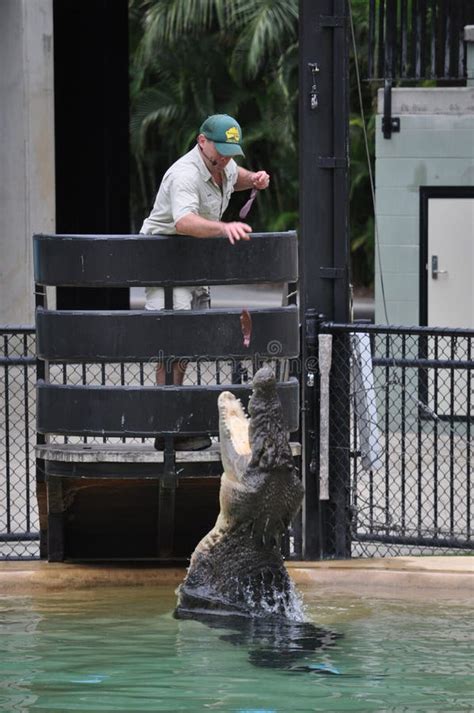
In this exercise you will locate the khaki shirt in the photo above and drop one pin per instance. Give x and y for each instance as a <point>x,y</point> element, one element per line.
<point>188,187</point>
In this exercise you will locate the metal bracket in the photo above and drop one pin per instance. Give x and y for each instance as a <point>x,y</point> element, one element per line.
<point>324,362</point>
<point>332,162</point>
<point>168,479</point>
<point>332,21</point>
<point>332,273</point>
<point>393,126</point>
<point>390,124</point>
<point>313,95</point>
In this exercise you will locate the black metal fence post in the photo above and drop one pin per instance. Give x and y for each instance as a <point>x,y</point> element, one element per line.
<point>312,546</point>
<point>338,515</point>
<point>324,239</point>
<point>41,303</point>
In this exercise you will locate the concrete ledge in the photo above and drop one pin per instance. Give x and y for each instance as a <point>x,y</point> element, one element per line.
<point>43,577</point>
<point>399,577</point>
<point>436,100</point>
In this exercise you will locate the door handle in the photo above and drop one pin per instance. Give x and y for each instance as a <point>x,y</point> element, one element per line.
<point>434,268</point>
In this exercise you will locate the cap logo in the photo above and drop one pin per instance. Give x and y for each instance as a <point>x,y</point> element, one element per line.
<point>232,134</point>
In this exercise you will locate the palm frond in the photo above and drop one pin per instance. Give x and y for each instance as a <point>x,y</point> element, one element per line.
<point>270,25</point>
<point>167,21</point>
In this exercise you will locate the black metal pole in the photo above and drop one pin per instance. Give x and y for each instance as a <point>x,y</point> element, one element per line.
<point>324,234</point>
<point>312,517</point>
<point>41,370</point>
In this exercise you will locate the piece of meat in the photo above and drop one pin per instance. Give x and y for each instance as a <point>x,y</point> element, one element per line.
<point>246,327</point>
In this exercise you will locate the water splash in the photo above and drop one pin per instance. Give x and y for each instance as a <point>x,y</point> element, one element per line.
<point>263,598</point>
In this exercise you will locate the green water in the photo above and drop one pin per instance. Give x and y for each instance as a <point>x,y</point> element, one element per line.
<point>122,650</point>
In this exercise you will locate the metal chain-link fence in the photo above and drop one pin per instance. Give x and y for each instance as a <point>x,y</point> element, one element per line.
<point>222,372</point>
<point>400,410</point>
<point>19,525</point>
<point>19,537</point>
<point>411,442</point>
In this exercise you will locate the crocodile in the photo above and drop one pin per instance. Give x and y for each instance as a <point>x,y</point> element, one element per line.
<point>275,642</point>
<point>238,568</point>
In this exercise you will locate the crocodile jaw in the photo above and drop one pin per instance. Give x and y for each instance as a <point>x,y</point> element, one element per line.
<point>233,436</point>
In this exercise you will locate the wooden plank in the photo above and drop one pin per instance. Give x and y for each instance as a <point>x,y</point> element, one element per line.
<point>139,260</point>
<point>127,453</point>
<point>130,336</point>
<point>146,411</point>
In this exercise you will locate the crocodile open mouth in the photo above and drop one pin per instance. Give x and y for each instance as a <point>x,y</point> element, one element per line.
<point>234,423</point>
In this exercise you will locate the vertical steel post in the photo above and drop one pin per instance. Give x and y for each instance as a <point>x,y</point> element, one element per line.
<point>41,371</point>
<point>324,249</point>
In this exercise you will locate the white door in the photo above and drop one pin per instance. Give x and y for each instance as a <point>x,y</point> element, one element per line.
<point>450,297</point>
<point>450,264</point>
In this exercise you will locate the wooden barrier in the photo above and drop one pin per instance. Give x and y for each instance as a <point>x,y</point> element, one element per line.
<point>109,500</point>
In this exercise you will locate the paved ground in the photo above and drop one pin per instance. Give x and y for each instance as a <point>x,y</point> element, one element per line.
<point>256,296</point>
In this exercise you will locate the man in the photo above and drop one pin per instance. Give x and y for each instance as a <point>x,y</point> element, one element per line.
<point>193,195</point>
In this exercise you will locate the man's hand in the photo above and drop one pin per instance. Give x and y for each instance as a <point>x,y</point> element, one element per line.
<point>260,180</point>
<point>236,231</point>
<point>198,227</point>
<point>251,179</point>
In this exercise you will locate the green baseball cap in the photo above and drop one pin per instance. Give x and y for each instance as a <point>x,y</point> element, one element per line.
<point>225,132</point>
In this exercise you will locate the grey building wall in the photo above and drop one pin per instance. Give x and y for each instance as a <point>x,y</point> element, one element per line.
<point>27,202</point>
<point>435,147</point>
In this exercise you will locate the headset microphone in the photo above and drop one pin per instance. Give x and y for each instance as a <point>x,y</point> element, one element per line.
<point>211,161</point>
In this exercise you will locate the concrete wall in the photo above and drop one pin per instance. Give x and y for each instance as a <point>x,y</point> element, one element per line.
<point>27,202</point>
<point>435,147</point>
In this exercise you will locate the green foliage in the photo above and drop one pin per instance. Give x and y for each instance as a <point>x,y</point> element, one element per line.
<point>361,209</point>
<point>193,58</point>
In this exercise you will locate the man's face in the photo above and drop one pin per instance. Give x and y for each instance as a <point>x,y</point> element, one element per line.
<point>212,153</point>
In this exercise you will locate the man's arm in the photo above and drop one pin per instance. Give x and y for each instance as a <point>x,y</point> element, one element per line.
<point>198,227</point>
<point>251,179</point>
